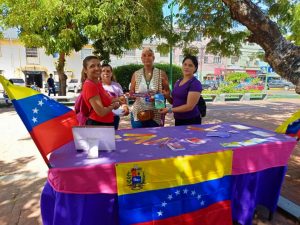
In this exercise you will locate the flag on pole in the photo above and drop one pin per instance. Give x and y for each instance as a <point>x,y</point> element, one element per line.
<point>185,190</point>
<point>48,122</point>
<point>291,126</point>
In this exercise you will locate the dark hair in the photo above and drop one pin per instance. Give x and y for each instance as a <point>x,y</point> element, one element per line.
<point>87,59</point>
<point>113,78</point>
<point>107,65</point>
<point>193,59</point>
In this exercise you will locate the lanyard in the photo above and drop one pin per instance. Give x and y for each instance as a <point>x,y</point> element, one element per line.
<point>147,81</point>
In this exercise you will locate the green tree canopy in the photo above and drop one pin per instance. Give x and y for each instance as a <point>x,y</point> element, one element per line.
<point>65,25</point>
<point>228,23</point>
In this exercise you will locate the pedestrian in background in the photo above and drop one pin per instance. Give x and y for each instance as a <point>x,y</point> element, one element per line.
<point>51,85</point>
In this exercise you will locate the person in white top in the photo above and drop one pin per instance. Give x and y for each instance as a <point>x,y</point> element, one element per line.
<point>114,89</point>
<point>144,84</point>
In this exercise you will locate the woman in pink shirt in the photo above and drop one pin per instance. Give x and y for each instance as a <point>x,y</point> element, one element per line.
<point>115,90</point>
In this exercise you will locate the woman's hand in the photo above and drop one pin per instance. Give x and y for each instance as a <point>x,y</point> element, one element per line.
<point>131,96</point>
<point>166,93</point>
<point>122,99</point>
<point>115,105</point>
<point>125,110</point>
<point>167,96</point>
<point>163,111</point>
<point>115,100</point>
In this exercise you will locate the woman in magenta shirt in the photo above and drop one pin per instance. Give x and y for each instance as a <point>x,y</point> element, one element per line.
<point>185,95</point>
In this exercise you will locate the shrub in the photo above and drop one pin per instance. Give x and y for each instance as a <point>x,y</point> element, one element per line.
<point>124,73</point>
<point>237,77</point>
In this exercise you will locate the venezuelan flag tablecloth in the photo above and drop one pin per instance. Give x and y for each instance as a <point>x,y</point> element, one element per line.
<point>145,182</point>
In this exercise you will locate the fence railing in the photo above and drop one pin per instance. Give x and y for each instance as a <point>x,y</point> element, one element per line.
<point>68,100</point>
<point>245,97</point>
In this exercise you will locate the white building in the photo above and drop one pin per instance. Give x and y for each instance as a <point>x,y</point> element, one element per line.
<point>34,66</point>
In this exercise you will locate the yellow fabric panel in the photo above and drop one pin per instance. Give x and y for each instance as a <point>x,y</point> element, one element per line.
<point>16,92</point>
<point>282,128</point>
<point>172,172</point>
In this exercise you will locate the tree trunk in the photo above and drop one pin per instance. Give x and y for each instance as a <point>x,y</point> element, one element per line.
<point>61,74</point>
<point>282,55</point>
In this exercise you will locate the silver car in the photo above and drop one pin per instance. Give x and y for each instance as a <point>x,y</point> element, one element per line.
<point>74,85</point>
<point>280,84</point>
<point>17,81</point>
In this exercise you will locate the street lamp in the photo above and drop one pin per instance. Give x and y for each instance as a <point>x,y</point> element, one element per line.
<point>171,6</point>
<point>201,57</point>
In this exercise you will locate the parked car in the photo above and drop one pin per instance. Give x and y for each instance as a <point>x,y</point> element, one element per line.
<point>209,85</point>
<point>17,81</point>
<point>280,84</point>
<point>74,85</point>
<point>56,84</point>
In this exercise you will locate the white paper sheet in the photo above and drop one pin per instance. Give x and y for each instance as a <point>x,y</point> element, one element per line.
<point>86,137</point>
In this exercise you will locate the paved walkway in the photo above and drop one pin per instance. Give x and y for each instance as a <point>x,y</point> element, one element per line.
<point>23,172</point>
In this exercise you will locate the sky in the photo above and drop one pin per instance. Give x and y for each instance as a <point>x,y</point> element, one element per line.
<point>167,11</point>
<point>10,33</point>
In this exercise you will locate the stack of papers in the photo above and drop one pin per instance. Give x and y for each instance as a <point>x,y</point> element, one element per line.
<point>221,134</point>
<point>240,127</point>
<point>261,133</point>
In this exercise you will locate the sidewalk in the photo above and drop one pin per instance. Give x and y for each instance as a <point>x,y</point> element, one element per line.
<point>23,171</point>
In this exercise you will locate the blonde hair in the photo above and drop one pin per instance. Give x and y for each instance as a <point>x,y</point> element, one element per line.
<point>83,76</point>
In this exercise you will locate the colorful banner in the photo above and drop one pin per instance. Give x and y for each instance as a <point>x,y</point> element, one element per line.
<point>291,126</point>
<point>48,122</point>
<point>179,190</point>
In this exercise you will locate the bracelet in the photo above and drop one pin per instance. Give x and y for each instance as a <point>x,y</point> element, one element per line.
<point>170,110</point>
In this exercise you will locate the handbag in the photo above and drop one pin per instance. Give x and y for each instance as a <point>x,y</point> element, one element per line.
<point>145,115</point>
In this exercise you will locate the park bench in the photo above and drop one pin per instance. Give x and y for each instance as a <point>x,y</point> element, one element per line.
<point>209,97</point>
<point>254,96</point>
<point>283,95</point>
<point>230,97</point>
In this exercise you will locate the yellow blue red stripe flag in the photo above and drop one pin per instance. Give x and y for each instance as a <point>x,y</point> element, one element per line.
<point>291,126</point>
<point>48,122</point>
<point>183,190</point>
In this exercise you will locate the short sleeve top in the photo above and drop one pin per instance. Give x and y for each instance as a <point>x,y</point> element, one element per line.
<point>114,90</point>
<point>180,94</point>
<point>91,89</point>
